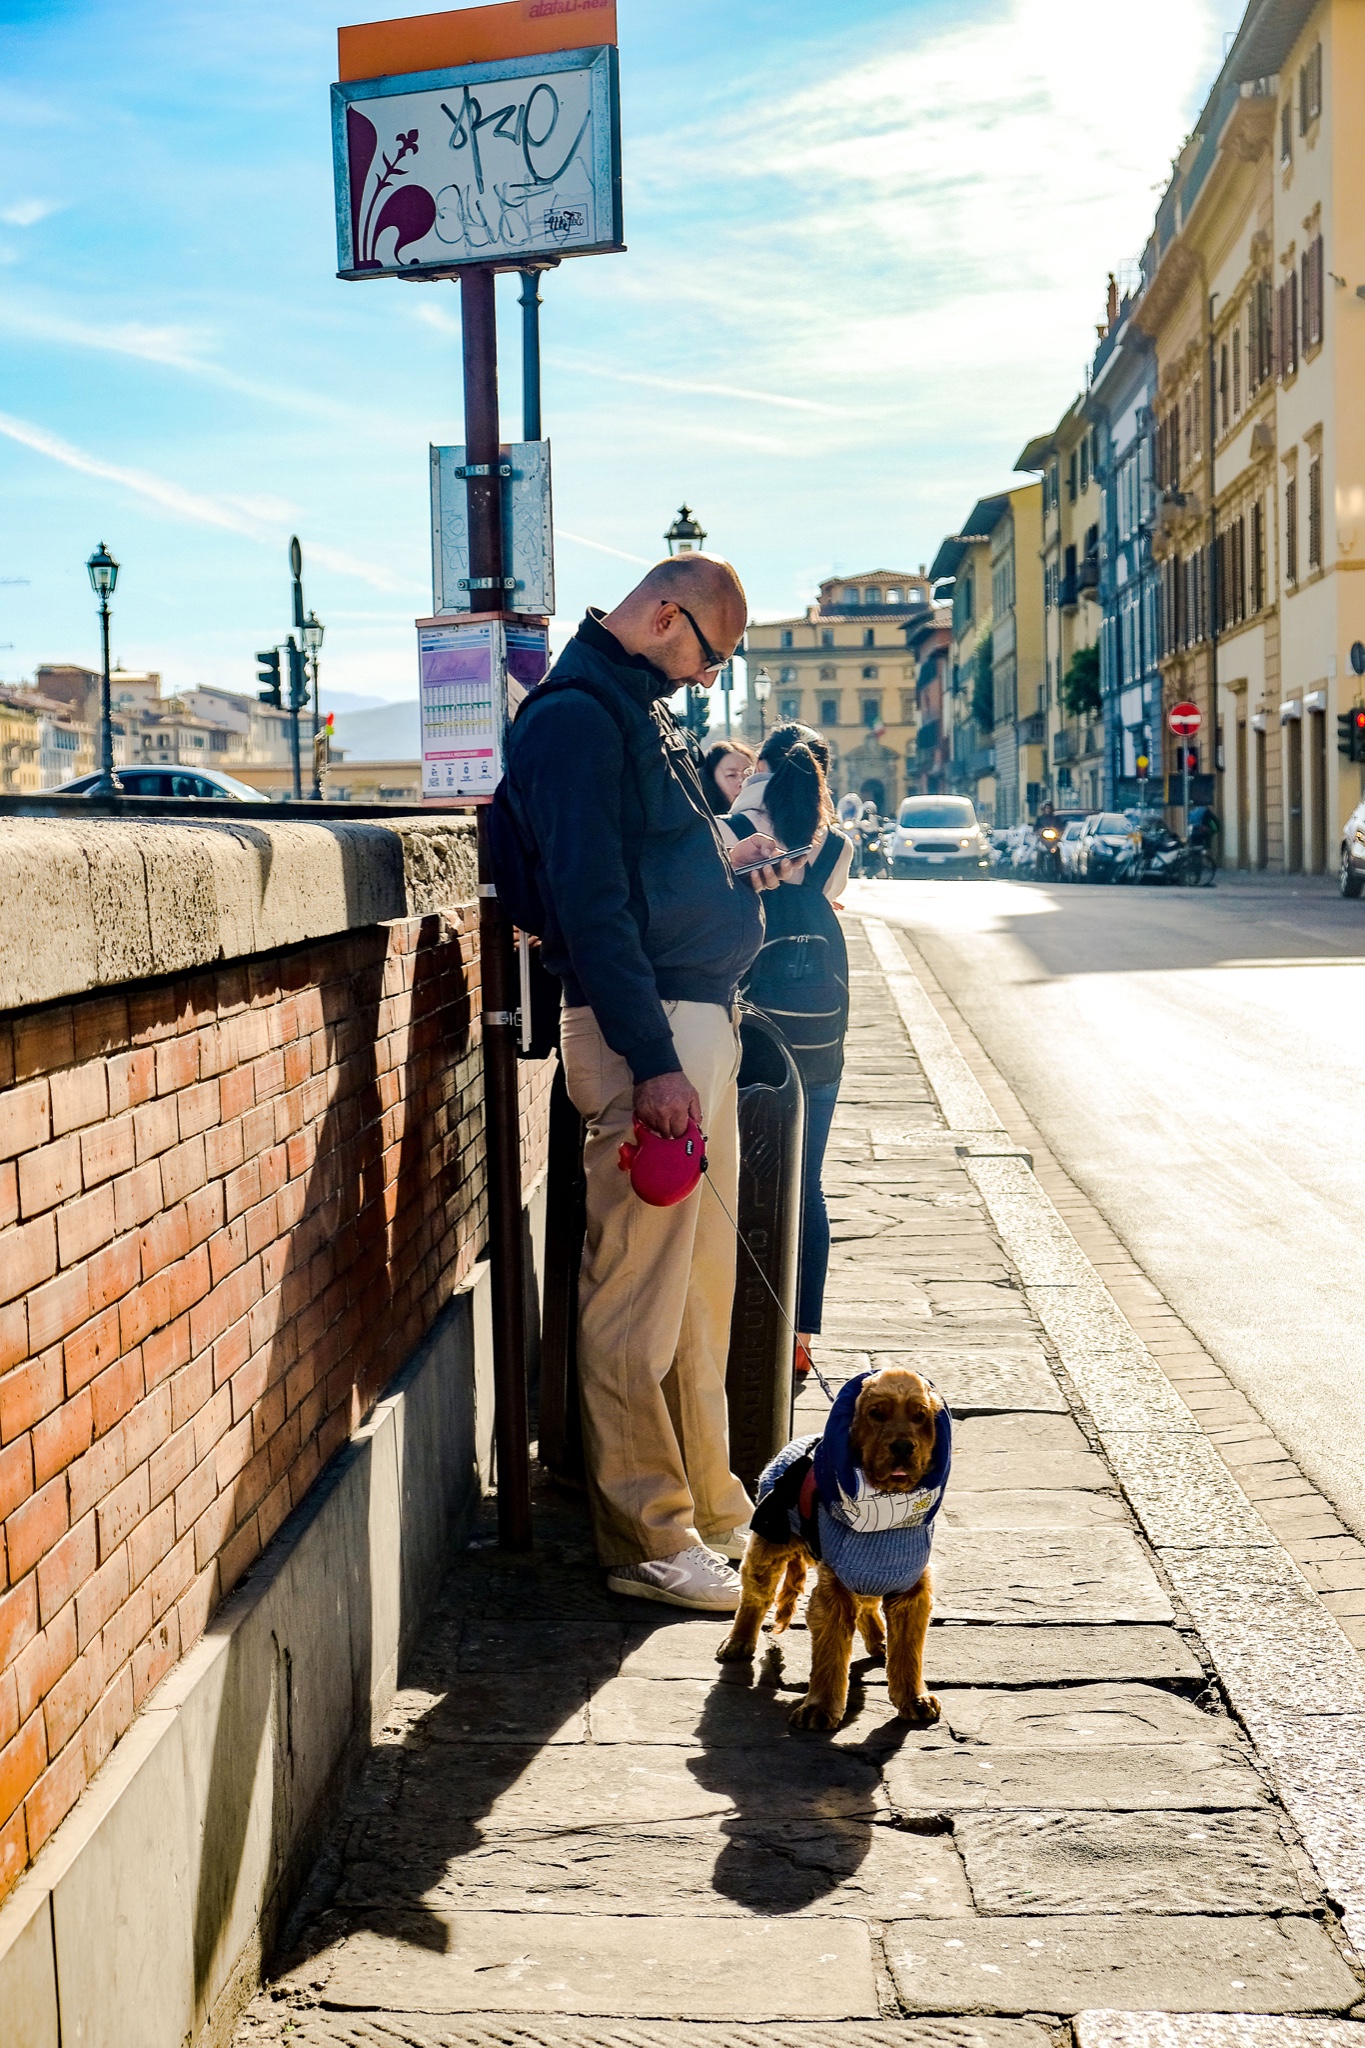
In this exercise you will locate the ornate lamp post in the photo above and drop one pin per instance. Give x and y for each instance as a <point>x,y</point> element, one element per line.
<point>313,630</point>
<point>685,536</point>
<point>103,576</point>
<point>763,689</point>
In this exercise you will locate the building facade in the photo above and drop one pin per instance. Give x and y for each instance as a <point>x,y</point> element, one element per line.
<point>929,639</point>
<point>963,563</point>
<point>844,667</point>
<point>1254,497</point>
<point>1074,750</point>
<point>998,675</point>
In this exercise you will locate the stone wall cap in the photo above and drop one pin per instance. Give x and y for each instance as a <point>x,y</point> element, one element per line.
<point>94,902</point>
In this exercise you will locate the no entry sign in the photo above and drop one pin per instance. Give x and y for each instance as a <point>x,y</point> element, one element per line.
<point>1185,720</point>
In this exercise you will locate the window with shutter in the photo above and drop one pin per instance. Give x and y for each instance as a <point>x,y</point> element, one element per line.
<point>1224,388</point>
<point>1237,370</point>
<point>1291,531</point>
<point>1286,131</point>
<point>1315,513</point>
<point>1292,319</point>
<point>1312,294</point>
<point>1310,88</point>
<point>1257,557</point>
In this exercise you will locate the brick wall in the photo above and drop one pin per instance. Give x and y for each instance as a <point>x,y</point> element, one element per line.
<point>230,1205</point>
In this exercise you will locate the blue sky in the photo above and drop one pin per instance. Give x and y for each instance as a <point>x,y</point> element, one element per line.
<point>867,248</point>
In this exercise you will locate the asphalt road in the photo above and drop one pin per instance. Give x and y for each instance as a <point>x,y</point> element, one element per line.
<point>1196,1062</point>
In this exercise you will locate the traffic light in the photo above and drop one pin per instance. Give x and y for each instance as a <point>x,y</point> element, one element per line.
<point>1351,734</point>
<point>298,676</point>
<point>322,745</point>
<point>1191,760</point>
<point>268,673</point>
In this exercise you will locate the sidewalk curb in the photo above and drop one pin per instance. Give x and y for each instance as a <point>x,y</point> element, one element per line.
<point>1288,1670</point>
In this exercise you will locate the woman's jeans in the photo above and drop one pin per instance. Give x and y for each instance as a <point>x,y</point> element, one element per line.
<point>810,1289</point>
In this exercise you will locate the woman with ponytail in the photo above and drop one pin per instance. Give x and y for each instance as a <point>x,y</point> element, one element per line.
<point>800,978</point>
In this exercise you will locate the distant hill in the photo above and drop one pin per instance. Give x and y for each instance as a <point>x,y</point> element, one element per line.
<point>349,700</point>
<point>390,732</point>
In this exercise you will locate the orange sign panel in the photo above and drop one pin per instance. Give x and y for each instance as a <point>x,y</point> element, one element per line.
<point>472,35</point>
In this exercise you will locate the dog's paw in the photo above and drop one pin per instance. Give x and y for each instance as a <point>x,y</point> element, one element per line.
<point>733,1651</point>
<point>808,1713</point>
<point>923,1711</point>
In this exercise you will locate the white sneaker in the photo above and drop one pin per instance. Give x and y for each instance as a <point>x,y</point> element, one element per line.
<point>695,1577</point>
<point>732,1546</point>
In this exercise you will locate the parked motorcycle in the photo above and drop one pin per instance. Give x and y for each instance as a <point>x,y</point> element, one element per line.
<point>1162,856</point>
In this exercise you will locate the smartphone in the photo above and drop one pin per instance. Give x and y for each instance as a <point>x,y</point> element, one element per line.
<point>775,859</point>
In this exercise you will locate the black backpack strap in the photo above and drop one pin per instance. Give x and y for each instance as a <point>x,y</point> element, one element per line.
<point>826,860</point>
<point>741,824</point>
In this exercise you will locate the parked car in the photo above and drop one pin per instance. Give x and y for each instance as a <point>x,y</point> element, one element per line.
<point>937,835</point>
<point>1353,852</point>
<point>1068,850</point>
<point>173,782</point>
<point>1109,842</point>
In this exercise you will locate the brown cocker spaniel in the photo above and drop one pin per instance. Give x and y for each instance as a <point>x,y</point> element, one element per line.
<point>892,1438</point>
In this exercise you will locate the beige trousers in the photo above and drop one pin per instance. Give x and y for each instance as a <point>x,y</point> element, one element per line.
<point>654,1301</point>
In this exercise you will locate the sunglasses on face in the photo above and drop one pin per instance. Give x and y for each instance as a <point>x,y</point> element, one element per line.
<point>712,662</point>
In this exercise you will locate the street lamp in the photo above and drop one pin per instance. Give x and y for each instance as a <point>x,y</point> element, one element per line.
<point>103,576</point>
<point>685,536</point>
<point>763,689</point>
<point>312,639</point>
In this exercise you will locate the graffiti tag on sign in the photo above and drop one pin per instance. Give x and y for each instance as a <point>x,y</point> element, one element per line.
<point>507,159</point>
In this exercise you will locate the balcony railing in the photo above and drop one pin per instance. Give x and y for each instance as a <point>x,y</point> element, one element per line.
<point>1067,596</point>
<point>927,737</point>
<point>1064,746</point>
<point>1032,731</point>
<point>982,762</point>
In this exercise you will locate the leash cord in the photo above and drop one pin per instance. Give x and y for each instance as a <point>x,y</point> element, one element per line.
<point>742,1239</point>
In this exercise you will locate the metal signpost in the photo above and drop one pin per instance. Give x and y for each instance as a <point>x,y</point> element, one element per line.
<point>1185,720</point>
<point>466,143</point>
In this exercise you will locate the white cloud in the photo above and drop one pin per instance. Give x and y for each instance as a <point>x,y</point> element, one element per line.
<point>926,235</point>
<point>227,514</point>
<point>26,213</point>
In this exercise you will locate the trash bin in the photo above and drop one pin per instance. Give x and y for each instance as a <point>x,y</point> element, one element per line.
<point>772,1136</point>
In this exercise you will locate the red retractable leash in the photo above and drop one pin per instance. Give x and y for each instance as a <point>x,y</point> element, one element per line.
<point>664,1171</point>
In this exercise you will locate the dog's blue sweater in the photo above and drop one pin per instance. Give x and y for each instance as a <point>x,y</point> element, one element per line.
<point>876,1543</point>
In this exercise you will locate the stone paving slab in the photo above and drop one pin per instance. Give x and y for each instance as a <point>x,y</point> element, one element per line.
<point>1173,1964</point>
<point>495,1648</point>
<point>985,1382</point>
<point>622,1783</point>
<point>312,2029</point>
<point>1125,1778</point>
<point>1088,1575</point>
<point>815,1866</point>
<point>1066,1717</point>
<point>1183,1492</point>
<point>645,1967</point>
<point>1034,1508</point>
<point>1129,1863</point>
<point>1227,2030</point>
<point>959,1654</point>
<point>1025,1451</point>
<point>721,1712</point>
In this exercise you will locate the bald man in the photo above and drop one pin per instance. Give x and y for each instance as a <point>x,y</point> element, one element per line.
<point>651,920</point>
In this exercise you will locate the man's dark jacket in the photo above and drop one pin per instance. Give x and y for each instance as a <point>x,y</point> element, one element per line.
<point>641,905</point>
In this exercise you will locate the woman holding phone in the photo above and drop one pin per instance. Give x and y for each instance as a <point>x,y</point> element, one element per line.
<point>800,978</point>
